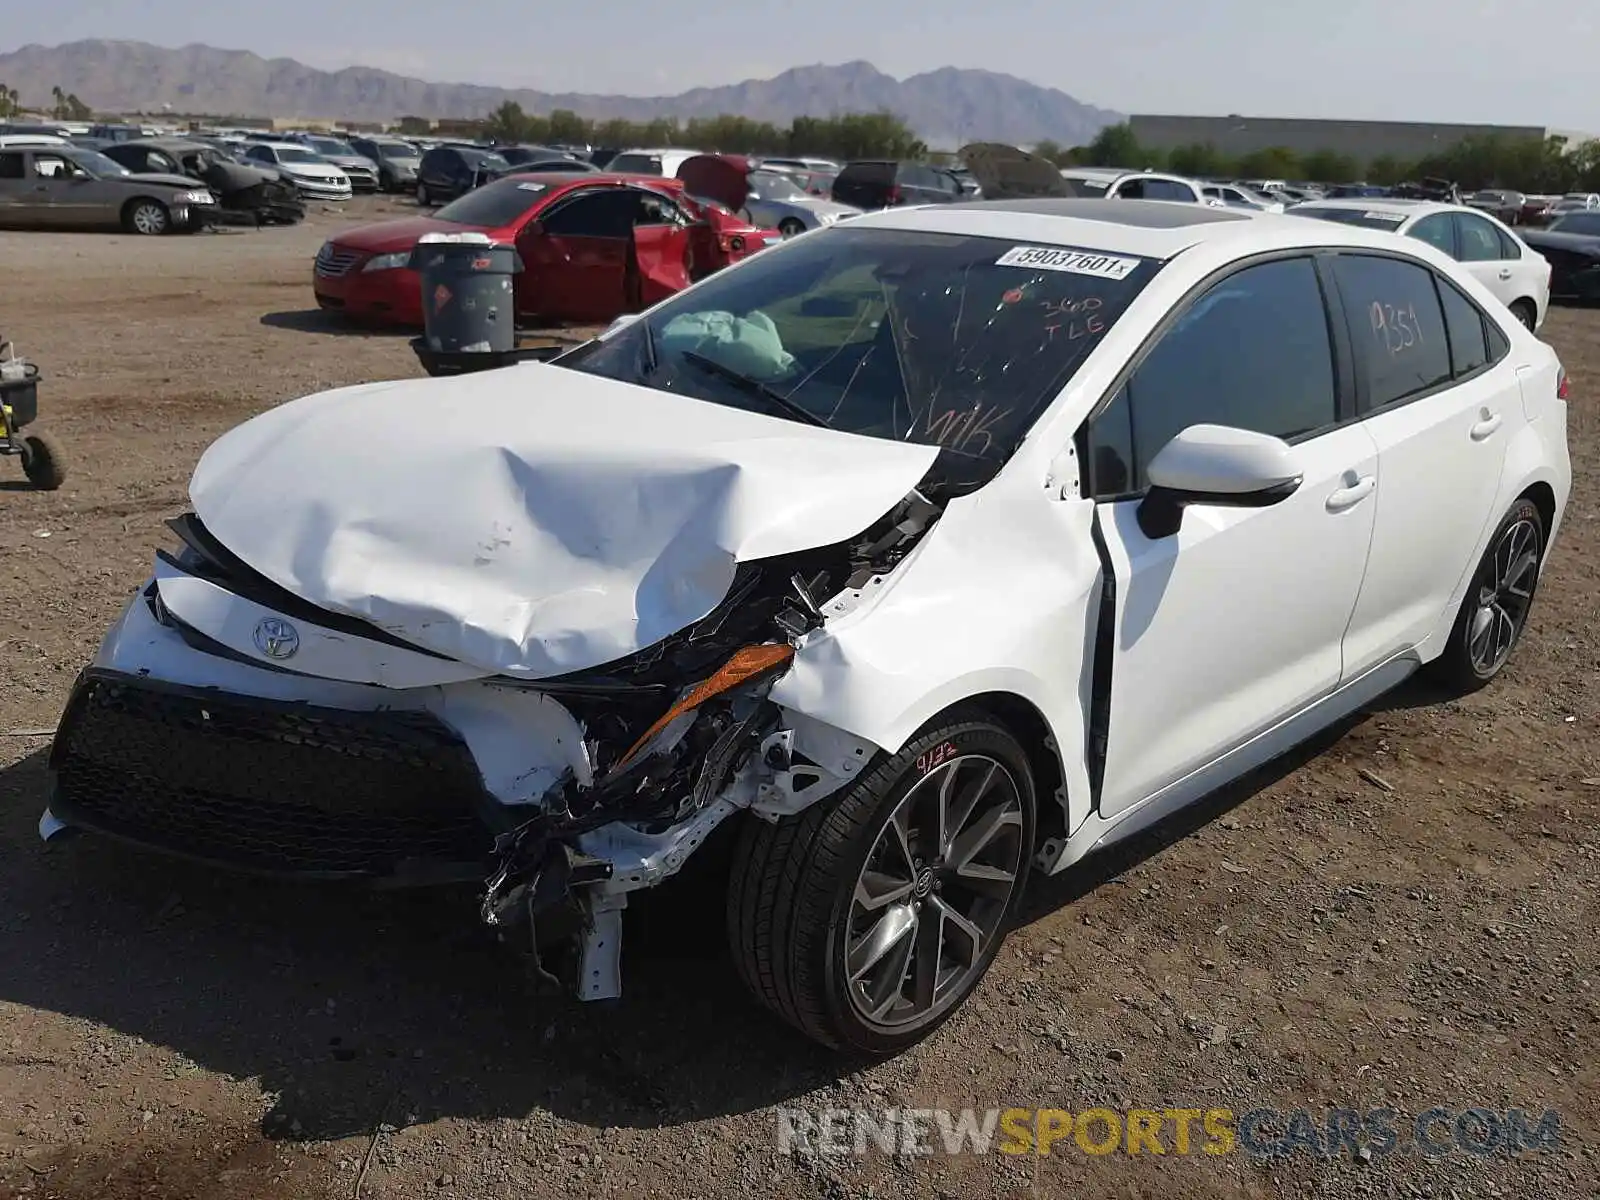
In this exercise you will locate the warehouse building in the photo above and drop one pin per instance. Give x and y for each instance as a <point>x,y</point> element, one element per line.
<point>1366,140</point>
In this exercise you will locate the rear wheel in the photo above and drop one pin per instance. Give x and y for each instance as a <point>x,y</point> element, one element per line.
<point>147,217</point>
<point>867,920</point>
<point>422,195</point>
<point>42,462</point>
<point>1525,312</point>
<point>1495,609</point>
<point>789,227</point>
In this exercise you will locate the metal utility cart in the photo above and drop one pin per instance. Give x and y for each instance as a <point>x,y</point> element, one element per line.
<point>42,461</point>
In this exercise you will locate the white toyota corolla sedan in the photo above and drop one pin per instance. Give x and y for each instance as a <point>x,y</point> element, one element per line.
<point>925,551</point>
<point>1517,274</point>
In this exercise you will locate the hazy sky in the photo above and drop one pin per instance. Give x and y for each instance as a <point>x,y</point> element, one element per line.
<point>1464,60</point>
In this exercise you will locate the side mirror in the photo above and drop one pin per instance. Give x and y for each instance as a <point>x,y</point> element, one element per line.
<point>1215,464</point>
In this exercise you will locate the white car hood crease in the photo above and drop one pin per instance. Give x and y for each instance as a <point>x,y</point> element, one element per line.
<point>533,520</point>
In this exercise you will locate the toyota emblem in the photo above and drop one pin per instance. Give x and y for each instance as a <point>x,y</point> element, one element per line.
<point>276,638</point>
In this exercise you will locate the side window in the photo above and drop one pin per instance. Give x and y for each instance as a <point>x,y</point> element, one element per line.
<point>1396,326</point>
<point>1131,189</point>
<point>1437,232</point>
<point>1510,249</point>
<point>1167,189</point>
<point>656,210</point>
<point>608,214</point>
<point>1499,344</point>
<point>1465,323</point>
<point>49,166</point>
<point>160,162</point>
<point>1478,239</point>
<point>1252,352</point>
<point>12,166</point>
<point>259,154</point>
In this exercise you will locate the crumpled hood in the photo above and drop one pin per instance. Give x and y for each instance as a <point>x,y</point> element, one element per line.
<point>532,520</point>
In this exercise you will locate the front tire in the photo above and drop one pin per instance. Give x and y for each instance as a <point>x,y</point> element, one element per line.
<point>1525,312</point>
<point>790,227</point>
<point>866,920</point>
<point>150,218</point>
<point>1495,609</point>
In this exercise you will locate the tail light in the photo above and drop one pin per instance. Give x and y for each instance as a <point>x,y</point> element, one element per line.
<point>894,194</point>
<point>1563,384</point>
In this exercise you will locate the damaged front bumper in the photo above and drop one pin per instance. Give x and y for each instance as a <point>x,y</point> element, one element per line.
<point>178,741</point>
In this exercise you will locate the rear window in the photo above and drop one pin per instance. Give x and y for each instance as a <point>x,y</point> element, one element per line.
<point>1587,223</point>
<point>951,341</point>
<point>494,204</point>
<point>1373,218</point>
<point>636,164</point>
<point>868,172</point>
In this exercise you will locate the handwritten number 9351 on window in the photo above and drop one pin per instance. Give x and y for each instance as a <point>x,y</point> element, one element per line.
<point>1396,326</point>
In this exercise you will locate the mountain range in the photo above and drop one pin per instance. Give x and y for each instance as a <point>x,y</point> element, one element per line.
<point>948,106</point>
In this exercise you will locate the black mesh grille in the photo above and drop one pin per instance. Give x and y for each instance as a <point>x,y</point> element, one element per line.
<point>263,786</point>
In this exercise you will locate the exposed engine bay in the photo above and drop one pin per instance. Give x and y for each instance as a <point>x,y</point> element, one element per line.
<point>669,762</point>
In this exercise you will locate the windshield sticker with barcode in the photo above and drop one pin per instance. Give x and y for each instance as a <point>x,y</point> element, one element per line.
<point>1078,262</point>
<point>1394,217</point>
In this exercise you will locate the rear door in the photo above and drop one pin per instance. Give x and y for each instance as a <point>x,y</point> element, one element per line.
<point>1484,253</point>
<point>662,263</point>
<point>576,257</point>
<point>1441,409</point>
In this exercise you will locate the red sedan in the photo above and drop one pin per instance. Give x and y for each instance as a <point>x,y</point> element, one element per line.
<point>593,246</point>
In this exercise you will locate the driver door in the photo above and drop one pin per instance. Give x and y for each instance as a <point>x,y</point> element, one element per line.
<point>576,258</point>
<point>1237,620</point>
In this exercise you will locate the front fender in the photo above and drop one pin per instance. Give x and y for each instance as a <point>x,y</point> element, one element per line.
<point>983,605</point>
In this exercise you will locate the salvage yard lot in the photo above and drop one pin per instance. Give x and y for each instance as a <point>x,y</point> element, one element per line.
<point>1402,916</point>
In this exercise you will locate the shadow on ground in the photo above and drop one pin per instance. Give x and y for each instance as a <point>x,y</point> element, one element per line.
<point>317,320</point>
<point>357,1007</point>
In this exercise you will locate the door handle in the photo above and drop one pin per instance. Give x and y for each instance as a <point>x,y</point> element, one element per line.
<point>1488,422</point>
<point>1352,494</point>
<point>1505,274</point>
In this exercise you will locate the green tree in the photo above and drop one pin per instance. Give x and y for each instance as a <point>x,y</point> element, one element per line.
<point>77,110</point>
<point>1201,159</point>
<point>1386,169</point>
<point>1275,162</point>
<point>563,125</point>
<point>1328,166</point>
<point>59,112</point>
<point>5,102</point>
<point>508,123</point>
<point>1116,146</point>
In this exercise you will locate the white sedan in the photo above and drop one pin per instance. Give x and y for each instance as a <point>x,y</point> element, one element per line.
<point>927,550</point>
<point>1515,272</point>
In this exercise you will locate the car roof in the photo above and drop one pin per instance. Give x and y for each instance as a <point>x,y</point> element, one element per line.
<point>1410,206</point>
<point>279,145</point>
<point>556,179</point>
<point>1156,229</point>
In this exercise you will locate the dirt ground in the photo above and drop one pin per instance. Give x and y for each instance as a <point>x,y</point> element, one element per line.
<point>1403,915</point>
